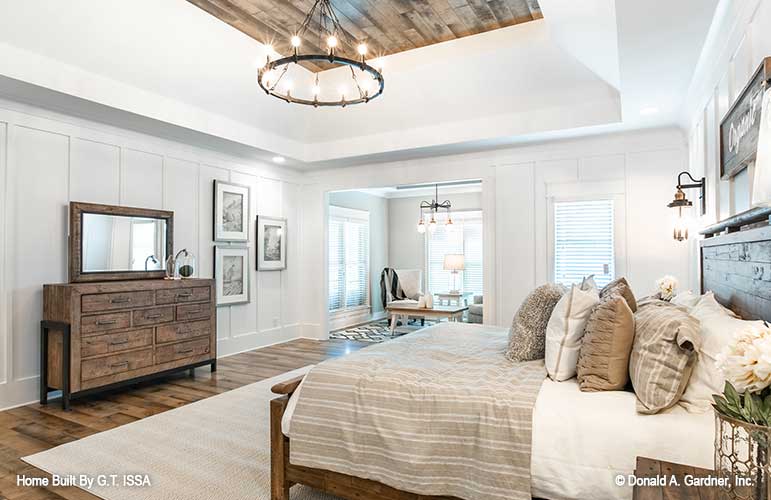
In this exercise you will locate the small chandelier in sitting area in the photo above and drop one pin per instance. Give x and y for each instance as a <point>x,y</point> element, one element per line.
<point>366,81</point>
<point>433,208</point>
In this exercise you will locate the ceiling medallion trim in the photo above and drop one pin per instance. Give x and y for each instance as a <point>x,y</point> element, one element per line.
<point>328,26</point>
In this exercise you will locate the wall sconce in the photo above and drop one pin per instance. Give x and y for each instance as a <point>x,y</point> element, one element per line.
<point>681,202</point>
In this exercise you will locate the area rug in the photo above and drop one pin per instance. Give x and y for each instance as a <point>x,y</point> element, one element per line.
<point>218,447</point>
<point>378,331</point>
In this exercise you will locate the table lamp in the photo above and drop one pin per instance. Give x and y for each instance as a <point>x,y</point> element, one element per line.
<point>454,262</point>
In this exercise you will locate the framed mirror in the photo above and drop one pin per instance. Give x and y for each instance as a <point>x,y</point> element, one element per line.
<point>110,242</point>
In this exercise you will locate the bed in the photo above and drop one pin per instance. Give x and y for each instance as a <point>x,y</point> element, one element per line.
<point>580,441</point>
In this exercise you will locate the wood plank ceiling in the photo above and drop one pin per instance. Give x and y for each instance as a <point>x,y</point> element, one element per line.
<point>387,26</point>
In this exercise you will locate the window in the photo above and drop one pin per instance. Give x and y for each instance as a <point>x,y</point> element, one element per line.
<point>583,241</point>
<point>348,259</point>
<point>465,238</point>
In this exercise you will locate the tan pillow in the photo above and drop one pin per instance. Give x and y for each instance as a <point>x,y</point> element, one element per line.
<point>603,361</point>
<point>665,345</point>
<point>528,330</point>
<point>620,286</point>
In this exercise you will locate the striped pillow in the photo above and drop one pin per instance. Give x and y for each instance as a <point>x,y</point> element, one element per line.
<point>665,345</point>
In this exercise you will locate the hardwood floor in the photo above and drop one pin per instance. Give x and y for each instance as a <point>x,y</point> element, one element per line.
<point>34,428</point>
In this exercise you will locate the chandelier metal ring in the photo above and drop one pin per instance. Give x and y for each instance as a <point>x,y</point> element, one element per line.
<point>364,97</point>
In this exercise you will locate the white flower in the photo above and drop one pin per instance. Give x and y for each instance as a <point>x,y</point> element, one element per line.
<point>746,362</point>
<point>667,286</point>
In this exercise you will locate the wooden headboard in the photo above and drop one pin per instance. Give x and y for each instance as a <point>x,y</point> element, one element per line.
<point>736,267</point>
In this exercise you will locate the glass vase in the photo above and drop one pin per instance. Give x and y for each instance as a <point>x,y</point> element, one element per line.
<point>742,459</point>
<point>185,264</point>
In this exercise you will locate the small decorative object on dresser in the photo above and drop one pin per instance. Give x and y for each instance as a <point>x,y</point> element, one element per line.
<point>95,336</point>
<point>184,264</point>
<point>271,243</point>
<point>231,273</point>
<point>231,212</point>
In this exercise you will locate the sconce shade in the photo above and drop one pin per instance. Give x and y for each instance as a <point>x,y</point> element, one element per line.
<point>454,262</point>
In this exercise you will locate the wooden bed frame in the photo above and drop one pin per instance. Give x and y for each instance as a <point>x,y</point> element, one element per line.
<point>735,266</point>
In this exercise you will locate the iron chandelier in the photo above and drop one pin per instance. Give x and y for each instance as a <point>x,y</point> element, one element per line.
<point>322,20</point>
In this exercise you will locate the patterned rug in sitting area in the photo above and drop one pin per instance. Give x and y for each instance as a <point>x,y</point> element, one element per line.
<point>377,331</point>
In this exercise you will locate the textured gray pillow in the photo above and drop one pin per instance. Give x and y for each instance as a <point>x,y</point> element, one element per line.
<point>527,338</point>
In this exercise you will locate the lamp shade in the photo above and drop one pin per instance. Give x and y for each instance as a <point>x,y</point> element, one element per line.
<point>454,262</point>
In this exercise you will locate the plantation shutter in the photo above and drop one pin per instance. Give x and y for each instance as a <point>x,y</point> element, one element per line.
<point>583,241</point>
<point>464,237</point>
<point>348,259</point>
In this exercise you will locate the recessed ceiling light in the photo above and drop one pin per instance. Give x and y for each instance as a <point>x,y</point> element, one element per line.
<point>279,159</point>
<point>649,110</point>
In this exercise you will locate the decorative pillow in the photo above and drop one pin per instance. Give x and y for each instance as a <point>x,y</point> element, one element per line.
<point>686,299</point>
<point>620,286</point>
<point>707,379</point>
<point>565,329</point>
<point>528,330</point>
<point>603,360</point>
<point>665,345</point>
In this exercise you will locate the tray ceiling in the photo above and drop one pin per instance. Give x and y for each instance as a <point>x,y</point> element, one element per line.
<point>387,26</point>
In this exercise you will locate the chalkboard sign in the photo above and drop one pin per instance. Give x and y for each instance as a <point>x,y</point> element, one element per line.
<point>739,129</point>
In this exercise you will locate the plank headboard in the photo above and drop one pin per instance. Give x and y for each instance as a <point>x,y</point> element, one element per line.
<point>736,267</point>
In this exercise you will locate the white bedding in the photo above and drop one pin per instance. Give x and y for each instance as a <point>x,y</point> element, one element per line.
<point>581,440</point>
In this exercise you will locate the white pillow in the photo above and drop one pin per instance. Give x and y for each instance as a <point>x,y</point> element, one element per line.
<point>717,331</point>
<point>708,307</point>
<point>566,329</point>
<point>686,299</point>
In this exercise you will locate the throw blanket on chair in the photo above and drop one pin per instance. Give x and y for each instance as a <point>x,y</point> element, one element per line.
<point>438,412</point>
<point>390,289</point>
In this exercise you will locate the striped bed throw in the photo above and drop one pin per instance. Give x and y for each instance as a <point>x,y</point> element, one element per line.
<point>438,412</point>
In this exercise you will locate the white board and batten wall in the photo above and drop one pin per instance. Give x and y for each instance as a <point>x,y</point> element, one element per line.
<point>737,45</point>
<point>639,167</point>
<point>48,160</point>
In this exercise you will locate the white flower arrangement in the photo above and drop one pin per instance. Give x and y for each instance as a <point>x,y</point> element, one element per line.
<point>746,364</point>
<point>667,286</point>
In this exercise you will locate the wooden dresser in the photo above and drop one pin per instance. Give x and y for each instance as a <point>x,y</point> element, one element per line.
<point>96,336</point>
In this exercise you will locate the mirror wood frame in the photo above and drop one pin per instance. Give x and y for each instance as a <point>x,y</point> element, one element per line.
<point>77,209</point>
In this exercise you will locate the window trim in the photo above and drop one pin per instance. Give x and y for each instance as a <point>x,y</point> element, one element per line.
<point>619,228</point>
<point>351,214</point>
<point>426,255</point>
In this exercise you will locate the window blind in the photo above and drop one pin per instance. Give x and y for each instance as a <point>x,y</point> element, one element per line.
<point>464,237</point>
<point>348,259</point>
<point>583,241</point>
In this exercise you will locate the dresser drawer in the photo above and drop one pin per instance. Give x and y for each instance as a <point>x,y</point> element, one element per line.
<point>115,342</point>
<point>105,322</point>
<point>187,349</point>
<point>115,364</point>
<point>176,296</point>
<point>109,301</point>
<point>182,331</point>
<point>153,316</point>
<point>193,311</point>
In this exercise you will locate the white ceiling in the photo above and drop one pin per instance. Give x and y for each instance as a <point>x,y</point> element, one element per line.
<point>579,70</point>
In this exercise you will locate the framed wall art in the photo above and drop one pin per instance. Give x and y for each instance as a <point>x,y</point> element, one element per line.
<point>231,274</point>
<point>231,212</point>
<point>271,243</point>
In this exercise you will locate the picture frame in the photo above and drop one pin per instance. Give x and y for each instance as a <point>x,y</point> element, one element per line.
<point>231,212</point>
<point>231,274</point>
<point>271,243</point>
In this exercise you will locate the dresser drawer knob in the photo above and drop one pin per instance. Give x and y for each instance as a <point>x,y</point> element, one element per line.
<point>120,300</point>
<point>185,351</point>
<point>153,316</point>
<point>118,365</point>
<point>119,342</point>
<point>184,295</point>
<point>102,322</point>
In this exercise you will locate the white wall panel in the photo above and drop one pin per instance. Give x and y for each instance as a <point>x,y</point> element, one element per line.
<point>5,354</point>
<point>180,184</point>
<point>38,200</point>
<point>141,179</point>
<point>243,317</point>
<point>94,172</point>
<point>269,194</point>
<point>290,277</point>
